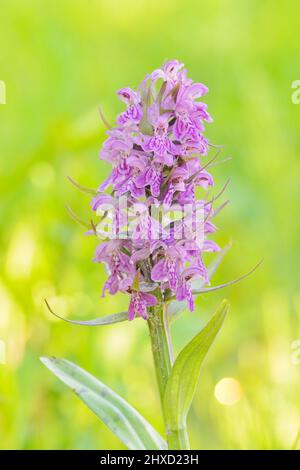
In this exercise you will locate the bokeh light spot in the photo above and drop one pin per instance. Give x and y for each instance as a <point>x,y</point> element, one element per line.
<point>228,391</point>
<point>21,253</point>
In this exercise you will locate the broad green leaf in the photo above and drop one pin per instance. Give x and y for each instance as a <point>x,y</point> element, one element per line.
<point>176,307</point>
<point>107,320</point>
<point>183,380</point>
<point>123,420</point>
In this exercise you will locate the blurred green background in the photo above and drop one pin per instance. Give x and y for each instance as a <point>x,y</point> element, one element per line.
<point>60,60</point>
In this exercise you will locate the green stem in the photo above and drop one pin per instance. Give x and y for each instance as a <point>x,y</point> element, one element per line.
<point>178,439</point>
<point>161,348</point>
<point>163,362</point>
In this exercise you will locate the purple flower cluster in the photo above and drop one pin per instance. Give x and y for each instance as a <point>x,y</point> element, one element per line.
<point>154,151</point>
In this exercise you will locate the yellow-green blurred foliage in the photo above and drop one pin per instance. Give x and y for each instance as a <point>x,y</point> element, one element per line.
<point>60,60</point>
